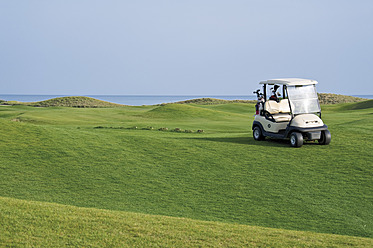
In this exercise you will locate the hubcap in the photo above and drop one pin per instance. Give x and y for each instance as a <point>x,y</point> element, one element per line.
<point>292,140</point>
<point>256,133</point>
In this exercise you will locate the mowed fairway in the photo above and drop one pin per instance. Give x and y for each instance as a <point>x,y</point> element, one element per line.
<point>58,155</point>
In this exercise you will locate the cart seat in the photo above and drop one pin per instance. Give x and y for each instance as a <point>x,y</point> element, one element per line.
<point>284,106</point>
<point>272,107</point>
<point>279,111</point>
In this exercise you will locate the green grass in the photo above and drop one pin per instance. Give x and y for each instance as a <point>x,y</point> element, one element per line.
<point>37,224</point>
<point>56,155</point>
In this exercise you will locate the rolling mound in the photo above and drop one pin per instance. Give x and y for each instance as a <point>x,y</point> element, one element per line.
<point>39,224</point>
<point>68,101</point>
<point>75,101</point>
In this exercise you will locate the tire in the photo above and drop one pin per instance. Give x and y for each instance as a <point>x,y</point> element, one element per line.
<point>296,139</point>
<point>257,133</point>
<point>326,137</point>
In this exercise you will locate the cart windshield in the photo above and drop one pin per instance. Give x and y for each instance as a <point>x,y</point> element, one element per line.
<point>303,99</point>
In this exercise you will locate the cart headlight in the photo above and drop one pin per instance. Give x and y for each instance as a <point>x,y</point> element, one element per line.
<point>312,122</point>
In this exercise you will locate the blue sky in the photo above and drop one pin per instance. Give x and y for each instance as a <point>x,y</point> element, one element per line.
<point>190,47</point>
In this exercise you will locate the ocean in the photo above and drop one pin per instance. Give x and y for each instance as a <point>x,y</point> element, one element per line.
<point>135,100</point>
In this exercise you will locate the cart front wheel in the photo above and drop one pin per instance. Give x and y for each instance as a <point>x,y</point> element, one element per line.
<point>325,138</point>
<point>296,139</point>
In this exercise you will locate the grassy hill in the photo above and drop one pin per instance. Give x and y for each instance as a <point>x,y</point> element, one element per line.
<point>221,175</point>
<point>38,224</point>
<point>68,101</point>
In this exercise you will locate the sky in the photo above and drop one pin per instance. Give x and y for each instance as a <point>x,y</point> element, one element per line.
<point>194,47</point>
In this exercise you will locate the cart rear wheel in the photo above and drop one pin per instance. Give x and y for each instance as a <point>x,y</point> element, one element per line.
<point>296,139</point>
<point>257,133</point>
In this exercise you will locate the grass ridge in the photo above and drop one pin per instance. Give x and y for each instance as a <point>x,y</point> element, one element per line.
<point>33,223</point>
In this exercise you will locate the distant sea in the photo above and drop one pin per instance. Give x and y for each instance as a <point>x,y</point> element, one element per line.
<point>135,100</point>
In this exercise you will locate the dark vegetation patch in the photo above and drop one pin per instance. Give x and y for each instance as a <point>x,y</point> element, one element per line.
<point>328,98</point>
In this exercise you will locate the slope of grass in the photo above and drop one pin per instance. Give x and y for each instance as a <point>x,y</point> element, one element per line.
<point>362,105</point>
<point>181,111</point>
<point>36,224</point>
<point>237,108</point>
<point>56,155</point>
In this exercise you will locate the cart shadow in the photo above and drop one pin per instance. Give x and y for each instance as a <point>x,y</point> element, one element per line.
<point>250,141</point>
<point>244,141</point>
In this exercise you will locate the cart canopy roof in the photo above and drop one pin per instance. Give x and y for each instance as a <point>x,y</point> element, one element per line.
<point>289,81</point>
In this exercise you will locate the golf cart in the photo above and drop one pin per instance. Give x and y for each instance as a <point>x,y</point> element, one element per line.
<point>295,116</point>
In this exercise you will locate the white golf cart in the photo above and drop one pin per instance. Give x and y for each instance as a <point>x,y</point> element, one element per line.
<point>295,116</point>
